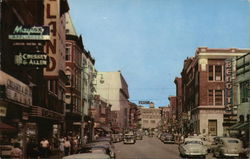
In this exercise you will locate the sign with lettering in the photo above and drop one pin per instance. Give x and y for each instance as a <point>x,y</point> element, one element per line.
<point>144,102</point>
<point>31,59</point>
<point>229,85</point>
<point>55,47</point>
<point>16,90</point>
<point>30,33</point>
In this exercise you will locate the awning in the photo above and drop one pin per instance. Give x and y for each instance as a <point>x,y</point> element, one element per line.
<point>240,126</point>
<point>6,127</point>
<point>103,128</point>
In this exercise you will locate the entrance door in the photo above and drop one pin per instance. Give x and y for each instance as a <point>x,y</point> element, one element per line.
<point>212,127</point>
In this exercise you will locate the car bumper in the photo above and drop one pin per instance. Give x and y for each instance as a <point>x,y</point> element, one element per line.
<point>231,155</point>
<point>195,154</point>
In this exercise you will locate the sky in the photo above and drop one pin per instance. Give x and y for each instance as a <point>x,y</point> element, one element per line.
<point>148,40</point>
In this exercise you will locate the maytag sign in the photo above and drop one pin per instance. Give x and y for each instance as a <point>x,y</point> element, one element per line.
<point>32,59</point>
<point>30,33</point>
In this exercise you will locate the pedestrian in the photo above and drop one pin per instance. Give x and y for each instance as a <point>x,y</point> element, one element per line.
<point>61,147</point>
<point>16,152</point>
<point>32,150</point>
<point>45,147</point>
<point>66,147</point>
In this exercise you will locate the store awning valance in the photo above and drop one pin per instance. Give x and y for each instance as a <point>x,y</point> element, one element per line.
<point>6,127</point>
<point>240,126</point>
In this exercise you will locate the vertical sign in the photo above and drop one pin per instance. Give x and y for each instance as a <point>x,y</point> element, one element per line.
<point>55,47</point>
<point>228,85</point>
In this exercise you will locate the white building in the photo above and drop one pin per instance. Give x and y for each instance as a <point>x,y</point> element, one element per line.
<point>113,87</point>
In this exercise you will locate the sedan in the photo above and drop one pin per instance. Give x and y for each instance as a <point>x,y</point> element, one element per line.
<point>193,147</point>
<point>228,147</point>
<point>88,156</point>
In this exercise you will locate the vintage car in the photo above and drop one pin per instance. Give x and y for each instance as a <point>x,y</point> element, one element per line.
<point>88,156</point>
<point>110,150</point>
<point>192,147</point>
<point>139,136</point>
<point>129,138</point>
<point>228,147</point>
<point>168,139</point>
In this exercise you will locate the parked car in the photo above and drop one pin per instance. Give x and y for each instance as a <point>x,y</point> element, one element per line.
<point>207,141</point>
<point>168,138</point>
<point>192,147</point>
<point>97,146</point>
<point>139,136</point>
<point>88,156</point>
<point>228,147</point>
<point>115,138</point>
<point>129,138</point>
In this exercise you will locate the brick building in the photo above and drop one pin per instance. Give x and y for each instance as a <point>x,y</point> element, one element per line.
<point>203,82</point>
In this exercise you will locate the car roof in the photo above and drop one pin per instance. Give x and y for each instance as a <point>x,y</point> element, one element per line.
<point>88,156</point>
<point>229,138</point>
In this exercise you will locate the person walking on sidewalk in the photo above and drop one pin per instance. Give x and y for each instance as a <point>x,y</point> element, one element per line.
<point>45,147</point>
<point>67,146</point>
<point>16,152</point>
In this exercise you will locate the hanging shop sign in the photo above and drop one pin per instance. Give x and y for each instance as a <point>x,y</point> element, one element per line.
<point>30,33</point>
<point>32,59</point>
<point>16,90</point>
<point>229,85</point>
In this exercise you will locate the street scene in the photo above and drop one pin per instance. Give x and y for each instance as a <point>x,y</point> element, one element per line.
<point>124,79</point>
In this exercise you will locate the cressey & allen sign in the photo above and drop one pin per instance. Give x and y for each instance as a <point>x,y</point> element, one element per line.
<point>29,59</point>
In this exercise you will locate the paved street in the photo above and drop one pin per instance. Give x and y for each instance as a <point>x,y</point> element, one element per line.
<point>148,148</point>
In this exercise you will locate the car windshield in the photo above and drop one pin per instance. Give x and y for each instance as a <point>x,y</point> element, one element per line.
<point>232,141</point>
<point>193,142</point>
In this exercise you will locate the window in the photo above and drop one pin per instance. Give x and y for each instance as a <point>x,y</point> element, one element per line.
<point>218,97</point>
<point>218,73</point>
<point>215,97</point>
<point>68,83</point>
<point>215,73</point>
<point>152,121</point>
<point>245,92</point>
<point>211,73</point>
<point>67,54</point>
<point>210,97</point>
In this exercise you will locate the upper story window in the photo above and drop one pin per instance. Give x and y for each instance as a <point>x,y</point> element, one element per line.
<point>215,73</point>
<point>215,97</point>
<point>245,91</point>
<point>67,54</point>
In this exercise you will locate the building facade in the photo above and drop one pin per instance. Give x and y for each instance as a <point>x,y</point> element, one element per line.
<point>114,88</point>
<point>33,89</point>
<point>150,117</point>
<point>203,80</point>
<point>73,55</point>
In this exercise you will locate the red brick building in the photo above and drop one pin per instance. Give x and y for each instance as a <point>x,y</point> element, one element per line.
<point>179,114</point>
<point>203,82</point>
